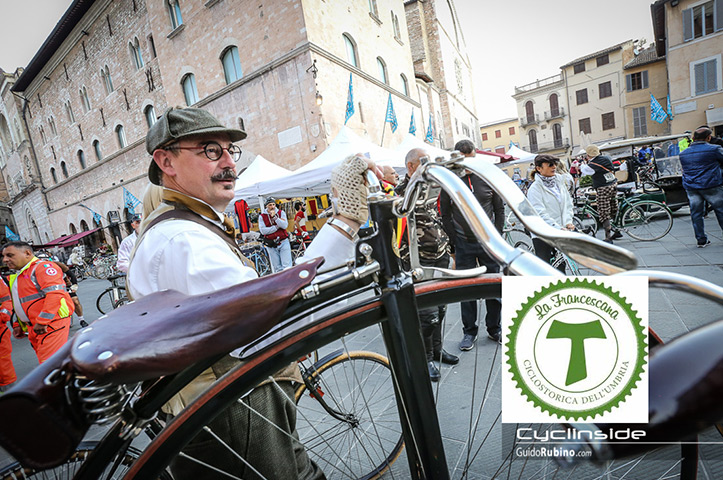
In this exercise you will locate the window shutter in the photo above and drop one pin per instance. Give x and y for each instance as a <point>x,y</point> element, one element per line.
<point>688,24</point>
<point>711,83</point>
<point>718,15</point>
<point>699,71</point>
<point>629,82</point>
<point>645,78</point>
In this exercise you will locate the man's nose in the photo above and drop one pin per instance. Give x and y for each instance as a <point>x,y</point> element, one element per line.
<point>226,161</point>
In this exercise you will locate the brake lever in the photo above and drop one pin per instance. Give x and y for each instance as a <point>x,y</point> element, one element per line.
<point>588,251</point>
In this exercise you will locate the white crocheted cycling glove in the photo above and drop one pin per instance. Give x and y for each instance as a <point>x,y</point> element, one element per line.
<point>349,193</point>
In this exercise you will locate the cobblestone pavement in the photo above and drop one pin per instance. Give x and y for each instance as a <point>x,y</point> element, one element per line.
<point>672,313</point>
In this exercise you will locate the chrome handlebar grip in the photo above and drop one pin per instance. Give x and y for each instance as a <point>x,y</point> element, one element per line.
<point>696,286</point>
<point>483,228</point>
<point>586,250</point>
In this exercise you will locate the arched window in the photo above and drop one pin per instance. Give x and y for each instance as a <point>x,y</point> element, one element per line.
<point>64,169</point>
<point>174,10</point>
<point>107,81</point>
<point>69,112</point>
<point>120,134</point>
<point>532,137</point>
<point>189,89</point>
<point>405,84</point>
<point>84,226</point>
<point>395,27</point>
<point>51,121</point>
<point>557,135</point>
<point>42,135</point>
<point>554,105</point>
<point>81,159</point>
<point>150,113</point>
<point>231,65</point>
<point>351,54</point>
<point>96,149</point>
<point>52,174</point>
<point>382,70</point>
<point>84,100</point>
<point>136,55</point>
<point>530,111</point>
<point>5,136</point>
<point>72,229</point>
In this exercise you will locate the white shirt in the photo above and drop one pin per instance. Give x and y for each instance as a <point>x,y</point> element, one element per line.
<point>184,256</point>
<point>555,212</point>
<point>334,246</point>
<point>124,252</point>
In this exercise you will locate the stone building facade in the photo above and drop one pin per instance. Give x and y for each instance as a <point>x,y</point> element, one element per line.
<point>443,71</point>
<point>20,184</point>
<point>689,34</point>
<point>497,136</point>
<point>644,76</point>
<point>280,71</point>
<point>544,116</point>
<point>595,87</point>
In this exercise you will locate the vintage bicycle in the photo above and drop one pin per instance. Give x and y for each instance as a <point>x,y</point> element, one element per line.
<point>118,372</point>
<point>113,296</point>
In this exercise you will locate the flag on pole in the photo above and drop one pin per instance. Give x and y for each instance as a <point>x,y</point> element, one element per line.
<point>656,110</point>
<point>96,216</point>
<point>430,135</point>
<point>10,235</point>
<point>130,201</point>
<point>391,116</point>
<point>670,109</point>
<point>349,102</point>
<point>412,125</point>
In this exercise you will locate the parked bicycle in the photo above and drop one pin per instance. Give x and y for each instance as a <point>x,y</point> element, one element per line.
<point>113,296</point>
<point>257,254</point>
<point>123,369</point>
<point>641,219</point>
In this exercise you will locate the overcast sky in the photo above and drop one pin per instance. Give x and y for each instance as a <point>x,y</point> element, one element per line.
<point>510,42</point>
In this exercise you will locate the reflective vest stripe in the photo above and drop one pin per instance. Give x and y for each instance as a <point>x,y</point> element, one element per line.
<point>52,288</point>
<point>32,297</point>
<point>6,311</point>
<point>5,299</point>
<point>46,316</point>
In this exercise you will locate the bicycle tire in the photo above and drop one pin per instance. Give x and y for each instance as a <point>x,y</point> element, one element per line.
<point>261,263</point>
<point>585,223</point>
<point>68,469</point>
<point>330,376</point>
<point>169,442</point>
<point>106,302</point>
<point>519,239</point>
<point>647,220</point>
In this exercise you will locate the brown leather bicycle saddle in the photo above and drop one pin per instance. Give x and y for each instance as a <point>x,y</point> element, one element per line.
<point>168,331</point>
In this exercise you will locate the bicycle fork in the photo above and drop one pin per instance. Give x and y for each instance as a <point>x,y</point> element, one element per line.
<point>407,357</point>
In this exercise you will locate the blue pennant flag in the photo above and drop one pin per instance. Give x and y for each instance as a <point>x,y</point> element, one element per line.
<point>10,235</point>
<point>670,109</point>
<point>412,125</point>
<point>430,135</point>
<point>349,102</point>
<point>96,216</point>
<point>656,110</point>
<point>391,116</point>
<point>130,201</point>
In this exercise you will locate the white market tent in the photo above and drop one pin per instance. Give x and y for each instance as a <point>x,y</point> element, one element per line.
<point>520,154</point>
<point>410,142</point>
<point>260,169</point>
<point>314,178</point>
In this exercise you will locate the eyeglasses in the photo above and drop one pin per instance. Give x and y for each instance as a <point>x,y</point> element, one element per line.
<point>213,150</point>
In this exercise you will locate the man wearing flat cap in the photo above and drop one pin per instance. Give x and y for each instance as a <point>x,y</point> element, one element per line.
<point>187,244</point>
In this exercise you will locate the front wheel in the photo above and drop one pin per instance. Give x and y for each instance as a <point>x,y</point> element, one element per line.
<point>350,397</point>
<point>111,298</point>
<point>647,220</point>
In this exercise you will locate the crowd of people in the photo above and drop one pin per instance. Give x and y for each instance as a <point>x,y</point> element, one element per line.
<point>186,243</point>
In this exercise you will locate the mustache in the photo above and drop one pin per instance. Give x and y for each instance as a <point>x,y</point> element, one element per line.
<point>226,174</point>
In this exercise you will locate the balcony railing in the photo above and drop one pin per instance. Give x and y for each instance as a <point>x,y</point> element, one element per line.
<point>539,83</point>
<point>547,146</point>
<point>529,120</point>
<point>550,114</point>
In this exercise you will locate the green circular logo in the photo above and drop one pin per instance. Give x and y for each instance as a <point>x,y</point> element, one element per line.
<point>576,349</point>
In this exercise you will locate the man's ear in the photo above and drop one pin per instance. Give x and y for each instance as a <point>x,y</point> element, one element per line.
<point>165,161</point>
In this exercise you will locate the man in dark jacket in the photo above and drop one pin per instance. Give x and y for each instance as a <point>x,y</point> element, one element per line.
<point>601,168</point>
<point>433,252</point>
<point>470,253</point>
<point>703,181</point>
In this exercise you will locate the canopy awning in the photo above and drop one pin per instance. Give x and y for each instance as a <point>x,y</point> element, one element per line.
<point>67,240</point>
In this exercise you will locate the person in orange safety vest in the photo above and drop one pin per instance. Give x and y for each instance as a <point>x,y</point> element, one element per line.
<point>41,303</point>
<point>7,370</point>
